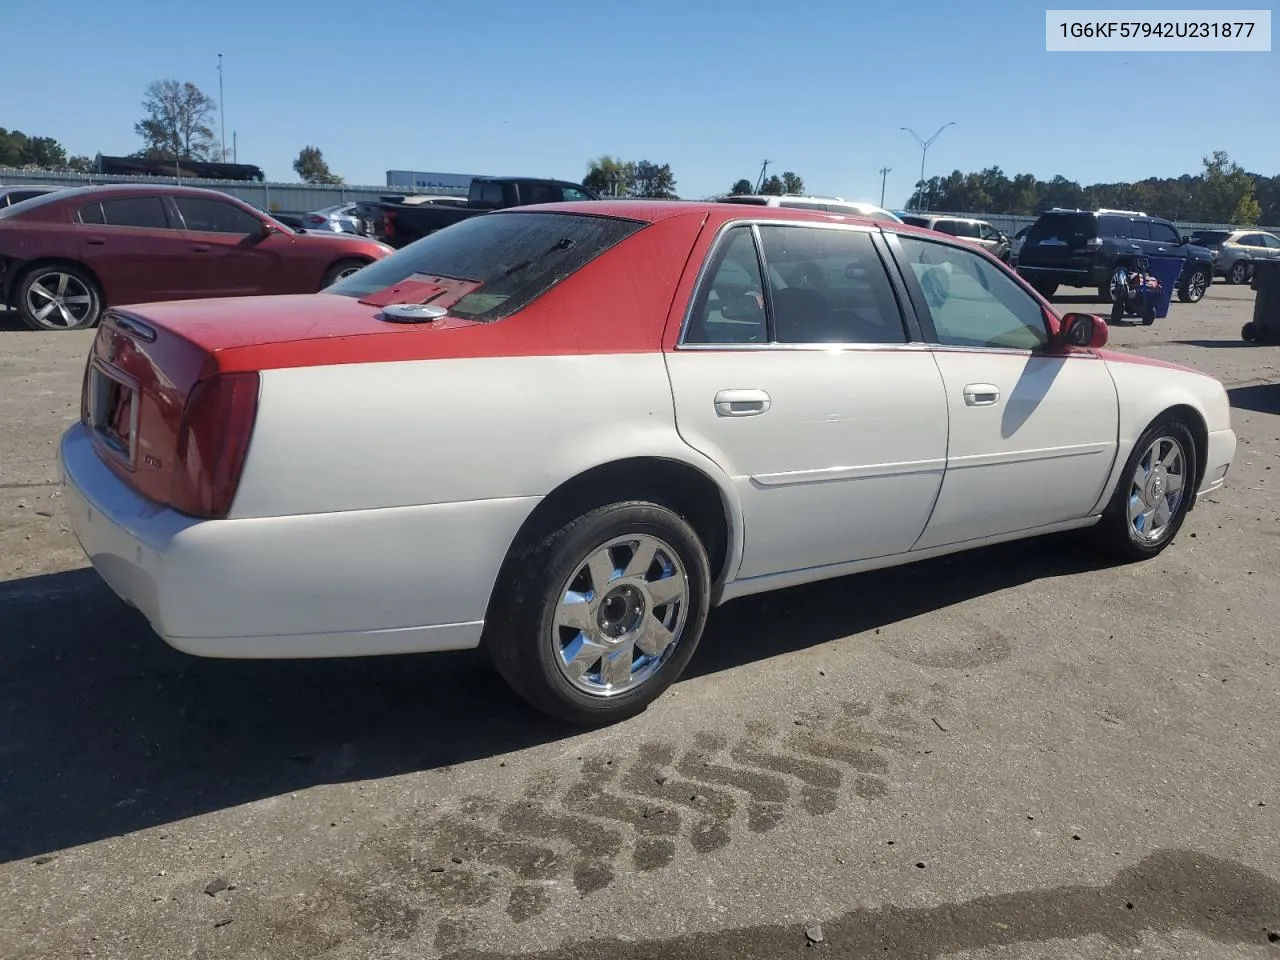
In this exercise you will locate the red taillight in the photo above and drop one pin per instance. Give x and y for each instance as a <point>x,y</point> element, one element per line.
<point>316,218</point>
<point>389,223</point>
<point>212,442</point>
<point>84,389</point>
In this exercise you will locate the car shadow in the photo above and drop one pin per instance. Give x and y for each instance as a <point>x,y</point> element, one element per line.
<point>104,729</point>
<point>11,322</point>
<point>1214,344</point>
<point>1260,397</point>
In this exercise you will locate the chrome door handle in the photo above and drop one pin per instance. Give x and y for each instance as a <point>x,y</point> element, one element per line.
<point>981,394</point>
<point>741,403</point>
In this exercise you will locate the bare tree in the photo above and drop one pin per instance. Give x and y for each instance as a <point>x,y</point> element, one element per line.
<point>177,124</point>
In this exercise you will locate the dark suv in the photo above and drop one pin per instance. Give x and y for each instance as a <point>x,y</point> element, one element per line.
<point>1079,248</point>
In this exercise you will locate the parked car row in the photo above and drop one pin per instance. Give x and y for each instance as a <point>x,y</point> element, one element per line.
<point>1236,251</point>
<point>67,255</point>
<point>777,396</point>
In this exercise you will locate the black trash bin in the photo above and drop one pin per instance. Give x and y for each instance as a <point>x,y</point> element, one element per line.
<point>1265,325</point>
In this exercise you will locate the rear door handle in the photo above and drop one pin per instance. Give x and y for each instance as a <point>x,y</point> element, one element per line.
<point>981,394</point>
<point>200,248</point>
<point>94,241</point>
<point>742,403</point>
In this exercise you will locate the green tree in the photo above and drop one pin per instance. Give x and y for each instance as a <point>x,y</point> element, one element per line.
<point>610,176</point>
<point>740,188</point>
<point>177,122</point>
<point>772,187</point>
<point>19,150</point>
<point>81,164</point>
<point>311,167</point>
<point>654,181</point>
<point>1226,192</point>
<point>792,182</point>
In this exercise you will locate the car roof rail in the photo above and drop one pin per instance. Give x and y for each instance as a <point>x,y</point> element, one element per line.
<point>1124,213</point>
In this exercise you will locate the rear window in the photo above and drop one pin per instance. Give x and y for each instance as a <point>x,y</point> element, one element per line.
<point>513,258</point>
<point>1209,238</point>
<point>1062,227</point>
<point>916,221</point>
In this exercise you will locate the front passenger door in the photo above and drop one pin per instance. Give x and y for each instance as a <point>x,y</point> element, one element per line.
<point>231,257</point>
<point>1032,432</point>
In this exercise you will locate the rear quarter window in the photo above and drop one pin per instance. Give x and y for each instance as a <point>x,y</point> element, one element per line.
<point>510,258</point>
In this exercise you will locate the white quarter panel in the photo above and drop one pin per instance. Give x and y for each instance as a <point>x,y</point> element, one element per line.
<point>1147,390</point>
<point>1040,454</point>
<point>845,462</point>
<point>378,435</point>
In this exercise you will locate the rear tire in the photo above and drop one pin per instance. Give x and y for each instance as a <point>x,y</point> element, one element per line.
<point>341,270</point>
<point>1148,316</point>
<point>1249,332</point>
<point>57,297</point>
<point>1153,494</point>
<point>595,653</point>
<point>1239,272</point>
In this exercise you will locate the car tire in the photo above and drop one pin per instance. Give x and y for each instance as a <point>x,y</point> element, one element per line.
<point>341,270</point>
<point>1193,289</point>
<point>1121,532</point>
<point>548,589</point>
<point>1148,316</point>
<point>1239,272</point>
<point>57,297</point>
<point>1045,288</point>
<point>1117,312</point>
<point>1249,332</point>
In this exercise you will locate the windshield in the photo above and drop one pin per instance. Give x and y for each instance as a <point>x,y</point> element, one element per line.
<point>508,259</point>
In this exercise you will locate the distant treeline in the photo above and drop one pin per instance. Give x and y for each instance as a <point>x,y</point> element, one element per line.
<point>1222,192</point>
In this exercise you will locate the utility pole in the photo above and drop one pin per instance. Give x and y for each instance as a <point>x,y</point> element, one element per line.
<point>884,174</point>
<point>924,149</point>
<point>235,156</point>
<point>763,168</point>
<point>222,113</point>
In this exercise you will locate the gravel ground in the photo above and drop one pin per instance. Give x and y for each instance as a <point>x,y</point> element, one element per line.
<point>1016,753</point>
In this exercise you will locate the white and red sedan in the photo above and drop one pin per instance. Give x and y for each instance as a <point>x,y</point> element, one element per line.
<point>564,432</point>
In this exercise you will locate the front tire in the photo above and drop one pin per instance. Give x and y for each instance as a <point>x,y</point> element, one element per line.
<point>1154,493</point>
<point>1192,289</point>
<point>593,622</point>
<point>58,296</point>
<point>341,270</point>
<point>1239,272</point>
<point>1249,332</point>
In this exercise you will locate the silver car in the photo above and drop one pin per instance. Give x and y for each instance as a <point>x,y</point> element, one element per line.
<point>977,232</point>
<point>340,218</point>
<point>1236,251</point>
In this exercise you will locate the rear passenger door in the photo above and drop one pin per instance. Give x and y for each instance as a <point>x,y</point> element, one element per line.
<point>795,372</point>
<point>135,247</point>
<point>1032,432</point>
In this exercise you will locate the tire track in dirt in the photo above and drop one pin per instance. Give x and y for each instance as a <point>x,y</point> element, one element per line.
<point>573,836</point>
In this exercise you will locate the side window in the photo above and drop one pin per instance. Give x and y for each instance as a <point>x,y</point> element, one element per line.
<point>971,302</point>
<point>214,216</point>
<point>1113,226</point>
<point>1251,240</point>
<point>91,213</point>
<point>1140,229</point>
<point>573,194</point>
<point>966,229</point>
<point>945,226</point>
<point>1164,232</point>
<point>988,232</point>
<point>490,195</point>
<point>136,212</point>
<point>1272,242</point>
<point>730,306</point>
<point>828,286</point>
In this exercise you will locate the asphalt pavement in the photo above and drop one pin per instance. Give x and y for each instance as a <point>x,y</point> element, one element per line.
<point>1020,752</point>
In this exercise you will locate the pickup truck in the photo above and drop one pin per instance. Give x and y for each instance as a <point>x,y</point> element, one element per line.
<point>398,223</point>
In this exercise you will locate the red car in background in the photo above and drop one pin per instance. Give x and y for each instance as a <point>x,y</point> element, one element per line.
<point>67,255</point>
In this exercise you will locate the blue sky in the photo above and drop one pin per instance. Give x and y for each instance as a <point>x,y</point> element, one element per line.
<point>820,87</point>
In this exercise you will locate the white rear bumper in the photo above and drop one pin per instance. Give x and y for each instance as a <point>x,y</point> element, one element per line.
<point>363,582</point>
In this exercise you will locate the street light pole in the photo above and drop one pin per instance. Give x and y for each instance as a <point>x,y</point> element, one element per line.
<point>924,148</point>
<point>884,173</point>
<point>222,113</point>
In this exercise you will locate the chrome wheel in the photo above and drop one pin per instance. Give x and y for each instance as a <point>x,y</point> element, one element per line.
<point>346,272</point>
<point>1156,489</point>
<point>59,300</point>
<point>1197,283</point>
<point>1239,272</point>
<point>620,615</point>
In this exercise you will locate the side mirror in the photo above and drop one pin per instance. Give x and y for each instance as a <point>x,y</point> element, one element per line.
<point>1186,239</point>
<point>1083,330</point>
